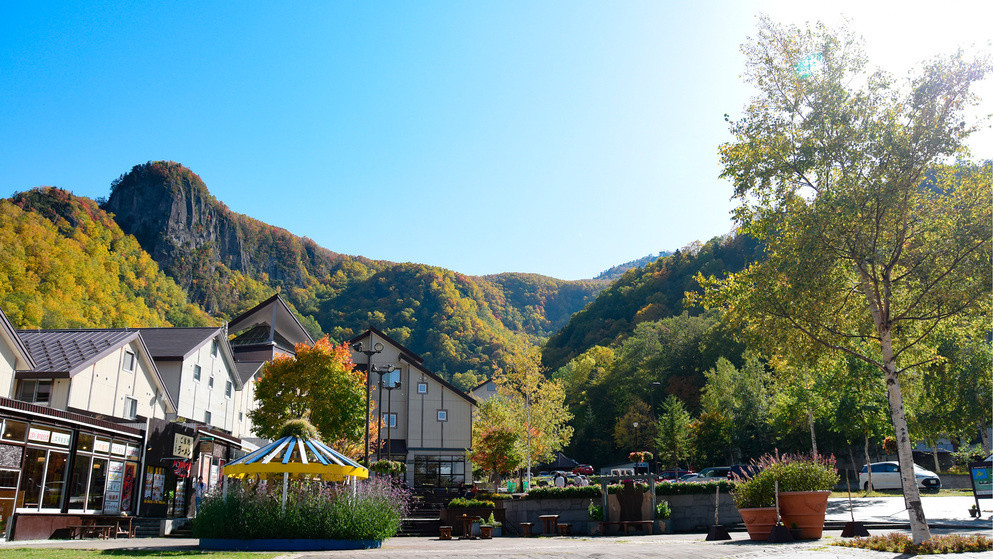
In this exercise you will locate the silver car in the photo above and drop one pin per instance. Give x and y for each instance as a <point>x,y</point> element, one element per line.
<point>886,475</point>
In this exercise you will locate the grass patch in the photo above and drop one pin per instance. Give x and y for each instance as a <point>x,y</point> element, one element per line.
<point>49,553</point>
<point>901,543</point>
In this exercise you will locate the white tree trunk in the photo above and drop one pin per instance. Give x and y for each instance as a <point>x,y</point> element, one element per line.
<point>920,532</point>
<point>868,463</point>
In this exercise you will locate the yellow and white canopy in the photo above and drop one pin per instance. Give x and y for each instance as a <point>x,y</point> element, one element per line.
<point>298,457</point>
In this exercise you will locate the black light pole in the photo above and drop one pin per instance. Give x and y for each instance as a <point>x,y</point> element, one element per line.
<point>389,414</point>
<point>376,348</point>
<point>380,371</point>
<point>655,420</point>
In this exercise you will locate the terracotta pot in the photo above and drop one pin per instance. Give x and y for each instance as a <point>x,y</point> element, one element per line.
<point>758,522</point>
<point>806,509</point>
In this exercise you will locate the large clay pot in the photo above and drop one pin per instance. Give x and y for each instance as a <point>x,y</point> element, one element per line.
<point>759,522</point>
<point>806,509</point>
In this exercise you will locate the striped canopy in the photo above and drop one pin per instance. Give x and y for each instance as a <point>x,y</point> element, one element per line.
<point>296,456</point>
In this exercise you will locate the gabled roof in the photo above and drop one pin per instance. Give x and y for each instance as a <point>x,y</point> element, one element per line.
<point>412,357</point>
<point>65,353</point>
<point>260,335</point>
<point>22,358</point>
<point>177,344</point>
<point>276,313</point>
<point>248,369</point>
<point>482,384</point>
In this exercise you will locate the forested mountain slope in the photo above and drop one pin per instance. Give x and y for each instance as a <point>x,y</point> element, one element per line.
<point>65,264</point>
<point>646,294</point>
<point>228,262</point>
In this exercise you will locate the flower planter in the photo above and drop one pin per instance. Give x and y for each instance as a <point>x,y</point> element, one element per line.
<point>759,522</point>
<point>806,509</point>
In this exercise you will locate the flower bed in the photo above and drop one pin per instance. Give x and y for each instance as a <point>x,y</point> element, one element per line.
<point>314,511</point>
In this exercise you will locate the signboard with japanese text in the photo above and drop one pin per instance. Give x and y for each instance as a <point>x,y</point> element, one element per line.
<point>182,445</point>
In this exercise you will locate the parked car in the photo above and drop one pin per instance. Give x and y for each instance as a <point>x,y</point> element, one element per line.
<point>583,470</point>
<point>670,475</point>
<point>743,471</point>
<point>714,473</point>
<point>886,475</point>
<point>689,477</point>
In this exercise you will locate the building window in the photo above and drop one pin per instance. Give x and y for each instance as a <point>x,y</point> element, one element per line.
<point>196,373</point>
<point>439,471</point>
<point>442,415</point>
<point>213,348</point>
<point>390,420</point>
<point>43,478</point>
<point>206,417</point>
<point>422,388</point>
<point>240,417</point>
<point>35,391</point>
<point>128,361</point>
<point>130,407</point>
<point>210,382</point>
<point>227,389</point>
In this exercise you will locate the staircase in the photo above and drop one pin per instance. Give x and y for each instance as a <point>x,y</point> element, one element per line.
<point>425,514</point>
<point>147,527</point>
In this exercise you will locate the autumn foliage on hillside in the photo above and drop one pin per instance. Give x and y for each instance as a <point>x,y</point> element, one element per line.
<point>65,263</point>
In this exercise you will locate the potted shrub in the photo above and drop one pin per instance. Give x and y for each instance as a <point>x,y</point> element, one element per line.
<point>755,498</point>
<point>496,527</point>
<point>662,513</point>
<point>596,517</point>
<point>805,483</point>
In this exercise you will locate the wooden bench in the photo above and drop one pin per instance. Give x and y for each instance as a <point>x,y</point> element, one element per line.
<point>526,529</point>
<point>627,525</point>
<point>90,531</point>
<point>565,529</point>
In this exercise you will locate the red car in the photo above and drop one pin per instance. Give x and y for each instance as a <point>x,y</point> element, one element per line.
<point>583,470</point>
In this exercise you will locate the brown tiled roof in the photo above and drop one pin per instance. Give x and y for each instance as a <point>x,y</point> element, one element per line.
<point>247,369</point>
<point>67,352</point>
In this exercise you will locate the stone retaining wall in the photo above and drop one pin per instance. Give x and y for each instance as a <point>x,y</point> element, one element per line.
<point>690,513</point>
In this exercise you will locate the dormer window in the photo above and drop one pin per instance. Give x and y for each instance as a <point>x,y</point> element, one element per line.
<point>35,391</point>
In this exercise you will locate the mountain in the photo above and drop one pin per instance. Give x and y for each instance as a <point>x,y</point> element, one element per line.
<point>65,264</point>
<point>647,293</point>
<point>615,272</point>
<point>228,261</point>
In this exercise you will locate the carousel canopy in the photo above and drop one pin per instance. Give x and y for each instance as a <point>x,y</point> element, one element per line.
<point>296,456</point>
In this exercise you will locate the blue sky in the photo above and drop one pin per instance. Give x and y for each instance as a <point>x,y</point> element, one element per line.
<point>558,138</point>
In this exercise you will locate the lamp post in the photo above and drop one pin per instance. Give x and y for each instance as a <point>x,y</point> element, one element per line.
<point>376,348</point>
<point>389,413</point>
<point>655,420</point>
<point>381,371</point>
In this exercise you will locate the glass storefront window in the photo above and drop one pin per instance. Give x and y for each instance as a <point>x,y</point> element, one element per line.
<point>98,480</point>
<point>78,481</point>
<point>55,477</point>
<point>32,476</point>
<point>85,442</point>
<point>15,430</point>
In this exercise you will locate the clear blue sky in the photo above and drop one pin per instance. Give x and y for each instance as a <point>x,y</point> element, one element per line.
<point>558,138</point>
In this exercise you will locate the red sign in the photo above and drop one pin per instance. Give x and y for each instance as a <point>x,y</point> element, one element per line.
<point>181,468</point>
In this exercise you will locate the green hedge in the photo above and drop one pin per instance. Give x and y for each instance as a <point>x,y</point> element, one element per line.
<point>463,503</point>
<point>661,488</point>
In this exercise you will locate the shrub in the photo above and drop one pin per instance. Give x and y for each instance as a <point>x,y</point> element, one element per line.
<point>595,511</point>
<point>572,491</point>
<point>798,472</point>
<point>687,488</point>
<point>662,510</point>
<point>314,510</point>
<point>900,543</point>
<point>388,467</point>
<point>463,503</point>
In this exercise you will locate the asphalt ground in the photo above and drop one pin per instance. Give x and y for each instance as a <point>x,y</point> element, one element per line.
<point>947,515</point>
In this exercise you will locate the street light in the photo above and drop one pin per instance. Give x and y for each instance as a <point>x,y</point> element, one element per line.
<point>655,418</point>
<point>376,348</point>
<point>389,413</point>
<point>381,371</point>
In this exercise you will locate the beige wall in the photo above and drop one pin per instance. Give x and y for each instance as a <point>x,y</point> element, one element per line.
<point>7,366</point>
<point>103,386</point>
<point>195,398</point>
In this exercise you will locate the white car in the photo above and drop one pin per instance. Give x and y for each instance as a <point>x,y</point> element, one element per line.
<point>886,475</point>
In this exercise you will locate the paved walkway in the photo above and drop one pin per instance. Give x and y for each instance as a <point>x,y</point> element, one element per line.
<point>945,514</point>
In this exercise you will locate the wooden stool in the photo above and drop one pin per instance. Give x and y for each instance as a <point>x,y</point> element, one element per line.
<point>446,533</point>
<point>526,529</point>
<point>548,524</point>
<point>565,529</point>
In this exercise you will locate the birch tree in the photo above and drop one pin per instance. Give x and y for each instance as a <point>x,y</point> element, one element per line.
<point>871,234</point>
